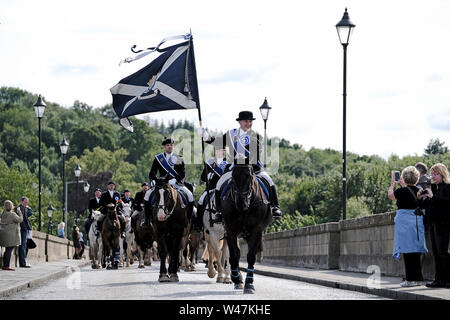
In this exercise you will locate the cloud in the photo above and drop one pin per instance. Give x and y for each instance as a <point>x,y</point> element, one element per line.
<point>73,70</point>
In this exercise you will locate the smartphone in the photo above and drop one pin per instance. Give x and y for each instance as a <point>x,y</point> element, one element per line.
<point>396,176</point>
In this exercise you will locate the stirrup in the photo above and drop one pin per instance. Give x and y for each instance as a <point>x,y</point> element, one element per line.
<point>276,213</point>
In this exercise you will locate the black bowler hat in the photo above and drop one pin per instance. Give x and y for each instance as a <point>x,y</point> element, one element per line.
<point>111,182</point>
<point>167,140</point>
<point>245,115</point>
<point>126,190</point>
<point>144,184</point>
<point>97,189</point>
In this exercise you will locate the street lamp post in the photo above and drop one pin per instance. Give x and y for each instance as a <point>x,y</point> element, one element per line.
<point>264,109</point>
<point>344,29</point>
<point>77,171</point>
<point>50,211</point>
<point>39,109</point>
<point>64,146</point>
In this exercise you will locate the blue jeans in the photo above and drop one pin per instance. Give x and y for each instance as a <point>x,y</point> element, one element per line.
<point>23,248</point>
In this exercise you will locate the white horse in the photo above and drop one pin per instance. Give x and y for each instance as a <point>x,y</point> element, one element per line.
<point>129,237</point>
<point>95,243</point>
<point>216,244</point>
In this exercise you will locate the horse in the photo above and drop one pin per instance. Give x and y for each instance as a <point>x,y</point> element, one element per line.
<point>189,246</point>
<point>217,248</point>
<point>95,244</point>
<point>128,242</point>
<point>169,219</point>
<point>111,238</point>
<point>245,210</point>
<point>145,241</point>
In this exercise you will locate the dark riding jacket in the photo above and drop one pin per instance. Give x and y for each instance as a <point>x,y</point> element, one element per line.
<point>106,199</point>
<point>138,199</point>
<point>179,168</point>
<point>249,146</point>
<point>94,205</point>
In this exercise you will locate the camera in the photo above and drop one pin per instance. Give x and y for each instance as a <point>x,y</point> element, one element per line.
<point>423,191</point>
<point>396,175</point>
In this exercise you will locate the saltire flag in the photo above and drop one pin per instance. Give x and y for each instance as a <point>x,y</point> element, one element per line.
<point>169,82</point>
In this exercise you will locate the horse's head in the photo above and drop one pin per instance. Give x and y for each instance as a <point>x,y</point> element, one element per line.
<point>126,209</point>
<point>164,197</point>
<point>96,214</point>
<point>111,211</point>
<point>242,178</point>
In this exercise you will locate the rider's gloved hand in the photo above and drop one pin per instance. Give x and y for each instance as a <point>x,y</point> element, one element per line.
<point>202,132</point>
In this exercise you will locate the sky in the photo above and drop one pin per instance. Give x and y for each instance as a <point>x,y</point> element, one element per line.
<point>398,75</point>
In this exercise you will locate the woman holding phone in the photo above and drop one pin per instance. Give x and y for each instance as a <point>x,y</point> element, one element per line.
<point>409,233</point>
<point>437,200</point>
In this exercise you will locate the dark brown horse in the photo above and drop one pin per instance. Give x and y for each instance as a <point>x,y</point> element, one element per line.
<point>245,211</point>
<point>111,238</point>
<point>169,219</point>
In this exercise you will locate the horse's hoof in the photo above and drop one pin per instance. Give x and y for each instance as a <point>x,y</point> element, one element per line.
<point>249,288</point>
<point>239,286</point>
<point>211,275</point>
<point>227,280</point>
<point>164,278</point>
<point>141,266</point>
<point>94,266</point>
<point>174,277</point>
<point>220,280</point>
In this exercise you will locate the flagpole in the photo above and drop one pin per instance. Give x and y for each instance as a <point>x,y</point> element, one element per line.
<point>200,121</point>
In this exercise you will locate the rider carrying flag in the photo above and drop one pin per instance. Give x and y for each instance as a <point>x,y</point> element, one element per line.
<point>170,165</point>
<point>245,148</point>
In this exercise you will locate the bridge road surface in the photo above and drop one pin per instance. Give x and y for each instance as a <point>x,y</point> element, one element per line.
<point>142,284</point>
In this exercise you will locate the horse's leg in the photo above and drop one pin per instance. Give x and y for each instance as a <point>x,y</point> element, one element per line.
<point>210,248</point>
<point>225,262</point>
<point>235,254</point>
<point>116,249</point>
<point>174,258</point>
<point>217,253</point>
<point>121,252</point>
<point>141,257</point>
<point>162,250</point>
<point>254,244</point>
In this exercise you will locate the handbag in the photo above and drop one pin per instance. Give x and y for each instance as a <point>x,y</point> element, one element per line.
<point>31,244</point>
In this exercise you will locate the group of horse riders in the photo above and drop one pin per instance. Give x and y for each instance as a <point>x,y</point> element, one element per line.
<point>245,146</point>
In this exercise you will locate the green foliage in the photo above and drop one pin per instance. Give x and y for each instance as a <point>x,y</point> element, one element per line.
<point>309,182</point>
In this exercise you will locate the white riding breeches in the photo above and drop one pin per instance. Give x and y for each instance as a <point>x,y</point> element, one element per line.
<point>174,184</point>
<point>203,197</point>
<point>227,176</point>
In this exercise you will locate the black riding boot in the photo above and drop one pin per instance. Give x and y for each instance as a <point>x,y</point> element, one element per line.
<point>217,200</point>
<point>190,210</point>
<point>276,212</point>
<point>145,223</point>
<point>199,219</point>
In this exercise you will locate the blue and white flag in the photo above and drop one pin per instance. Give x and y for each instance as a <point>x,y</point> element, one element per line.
<point>169,82</point>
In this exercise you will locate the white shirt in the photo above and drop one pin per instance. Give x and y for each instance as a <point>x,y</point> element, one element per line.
<point>111,193</point>
<point>98,199</point>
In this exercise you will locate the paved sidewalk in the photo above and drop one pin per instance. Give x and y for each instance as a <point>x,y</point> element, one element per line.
<point>388,287</point>
<point>23,278</point>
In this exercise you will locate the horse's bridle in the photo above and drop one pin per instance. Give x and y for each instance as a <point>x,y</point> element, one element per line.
<point>163,206</point>
<point>246,194</point>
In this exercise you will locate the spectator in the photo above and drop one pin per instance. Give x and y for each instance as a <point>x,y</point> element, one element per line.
<point>424,182</point>
<point>76,241</point>
<point>437,202</point>
<point>409,233</point>
<point>25,227</point>
<point>82,245</point>
<point>60,232</point>
<point>9,231</point>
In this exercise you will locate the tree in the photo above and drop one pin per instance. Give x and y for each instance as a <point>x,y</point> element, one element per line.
<point>435,147</point>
